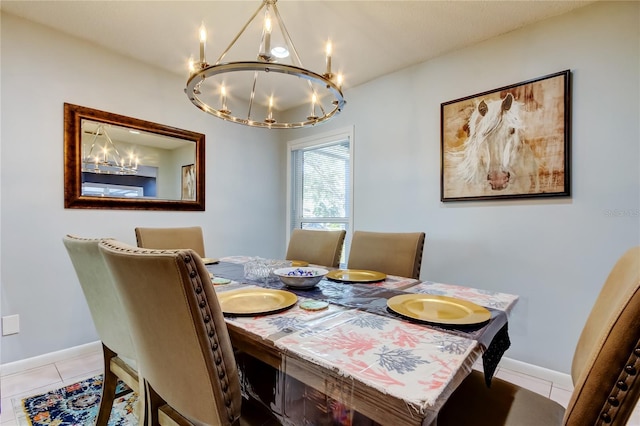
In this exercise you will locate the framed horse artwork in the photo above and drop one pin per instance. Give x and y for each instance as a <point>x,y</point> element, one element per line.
<point>511,142</point>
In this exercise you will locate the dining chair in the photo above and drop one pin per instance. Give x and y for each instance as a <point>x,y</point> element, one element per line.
<point>316,246</point>
<point>171,238</point>
<point>605,369</point>
<point>109,318</point>
<point>388,252</point>
<point>180,335</point>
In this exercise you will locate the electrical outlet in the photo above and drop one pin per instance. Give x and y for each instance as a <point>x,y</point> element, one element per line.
<point>10,325</point>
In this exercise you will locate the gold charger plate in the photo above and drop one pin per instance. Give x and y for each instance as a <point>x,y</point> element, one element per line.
<point>355,276</point>
<point>300,263</point>
<point>438,309</point>
<point>210,260</point>
<point>255,301</point>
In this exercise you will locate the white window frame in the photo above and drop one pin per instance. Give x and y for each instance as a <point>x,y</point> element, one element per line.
<point>318,140</point>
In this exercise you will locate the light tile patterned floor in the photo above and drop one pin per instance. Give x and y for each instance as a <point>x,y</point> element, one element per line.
<point>53,376</point>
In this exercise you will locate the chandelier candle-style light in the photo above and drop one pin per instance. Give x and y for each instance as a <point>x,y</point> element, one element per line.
<point>104,158</point>
<point>247,91</point>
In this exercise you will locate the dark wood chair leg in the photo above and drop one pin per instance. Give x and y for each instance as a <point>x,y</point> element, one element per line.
<point>109,383</point>
<point>153,402</point>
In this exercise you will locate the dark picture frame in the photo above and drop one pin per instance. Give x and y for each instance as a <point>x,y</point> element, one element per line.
<point>188,182</point>
<point>506,143</point>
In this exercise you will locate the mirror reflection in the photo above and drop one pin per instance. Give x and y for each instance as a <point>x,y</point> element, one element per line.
<point>123,162</point>
<point>118,162</point>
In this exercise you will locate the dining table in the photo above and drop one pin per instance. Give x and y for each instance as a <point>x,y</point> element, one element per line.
<point>364,358</point>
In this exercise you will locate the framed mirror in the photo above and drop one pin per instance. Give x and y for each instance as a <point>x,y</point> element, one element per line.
<point>116,162</point>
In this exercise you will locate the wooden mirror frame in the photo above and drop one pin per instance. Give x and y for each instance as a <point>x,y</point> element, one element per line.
<point>73,198</point>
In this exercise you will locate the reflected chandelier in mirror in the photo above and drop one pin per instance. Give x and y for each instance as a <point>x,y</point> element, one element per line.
<point>118,162</point>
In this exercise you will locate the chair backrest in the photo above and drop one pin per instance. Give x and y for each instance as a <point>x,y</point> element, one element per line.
<point>99,290</point>
<point>178,330</point>
<point>606,363</point>
<point>316,246</point>
<point>392,253</point>
<point>171,238</point>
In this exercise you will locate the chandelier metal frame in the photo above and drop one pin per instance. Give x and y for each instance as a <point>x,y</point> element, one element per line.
<point>265,64</point>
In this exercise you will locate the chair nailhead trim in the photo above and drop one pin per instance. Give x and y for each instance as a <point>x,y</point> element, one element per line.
<point>626,380</point>
<point>205,311</point>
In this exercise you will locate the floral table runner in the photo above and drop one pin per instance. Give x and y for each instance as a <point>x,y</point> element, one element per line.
<point>492,337</point>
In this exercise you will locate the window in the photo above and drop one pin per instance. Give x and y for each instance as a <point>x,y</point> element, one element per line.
<point>109,190</point>
<point>320,183</point>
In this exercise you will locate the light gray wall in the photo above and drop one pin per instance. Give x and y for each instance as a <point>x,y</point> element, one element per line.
<point>42,69</point>
<point>554,253</point>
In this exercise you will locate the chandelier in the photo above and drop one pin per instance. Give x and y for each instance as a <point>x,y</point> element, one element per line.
<point>246,91</point>
<point>103,157</point>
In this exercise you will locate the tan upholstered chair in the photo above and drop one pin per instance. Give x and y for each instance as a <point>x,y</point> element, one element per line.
<point>605,369</point>
<point>180,335</point>
<point>392,253</point>
<point>171,238</point>
<point>315,246</point>
<point>109,319</point>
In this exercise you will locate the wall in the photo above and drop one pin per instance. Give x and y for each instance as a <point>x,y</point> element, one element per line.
<point>42,69</point>
<point>554,253</point>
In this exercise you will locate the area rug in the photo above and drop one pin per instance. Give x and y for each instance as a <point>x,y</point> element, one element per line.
<point>75,405</point>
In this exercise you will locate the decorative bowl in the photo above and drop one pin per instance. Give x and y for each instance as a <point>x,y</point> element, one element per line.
<point>300,277</point>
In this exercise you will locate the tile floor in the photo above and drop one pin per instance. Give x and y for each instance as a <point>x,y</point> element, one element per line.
<point>52,376</point>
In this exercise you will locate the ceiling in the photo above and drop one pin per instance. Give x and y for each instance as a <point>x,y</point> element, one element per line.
<point>370,38</point>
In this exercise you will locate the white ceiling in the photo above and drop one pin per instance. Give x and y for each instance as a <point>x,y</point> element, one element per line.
<point>370,38</point>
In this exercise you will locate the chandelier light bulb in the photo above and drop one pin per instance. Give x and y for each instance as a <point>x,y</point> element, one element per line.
<point>269,119</point>
<point>267,34</point>
<point>223,100</point>
<point>313,115</point>
<point>203,40</point>
<point>328,73</point>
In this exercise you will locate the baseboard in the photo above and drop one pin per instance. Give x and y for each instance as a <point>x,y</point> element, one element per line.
<point>41,360</point>
<point>563,380</point>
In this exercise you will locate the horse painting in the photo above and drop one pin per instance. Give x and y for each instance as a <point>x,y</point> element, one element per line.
<point>495,158</point>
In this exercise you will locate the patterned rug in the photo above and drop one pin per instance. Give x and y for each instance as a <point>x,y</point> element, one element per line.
<point>75,405</point>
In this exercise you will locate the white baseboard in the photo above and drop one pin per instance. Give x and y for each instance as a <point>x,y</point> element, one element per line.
<point>51,357</point>
<point>563,380</point>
